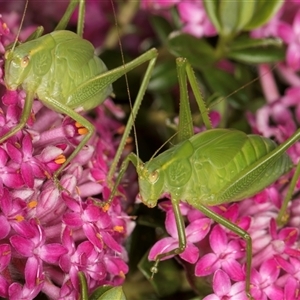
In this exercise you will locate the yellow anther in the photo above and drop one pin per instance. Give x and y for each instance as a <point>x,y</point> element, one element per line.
<point>77,190</point>
<point>60,159</point>
<point>205,227</point>
<point>121,129</point>
<point>8,252</point>
<point>99,236</point>
<point>223,208</point>
<point>105,208</point>
<point>129,140</point>
<point>32,204</point>
<point>283,181</point>
<point>78,125</point>
<point>19,218</point>
<point>18,145</point>
<point>119,229</point>
<point>82,131</point>
<point>47,175</point>
<point>33,116</point>
<point>291,234</point>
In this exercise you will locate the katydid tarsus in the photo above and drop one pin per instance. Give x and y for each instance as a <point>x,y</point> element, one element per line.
<point>62,71</point>
<point>210,168</point>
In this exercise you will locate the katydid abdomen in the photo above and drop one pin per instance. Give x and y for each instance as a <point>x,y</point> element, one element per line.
<point>213,167</point>
<point>54,66</point>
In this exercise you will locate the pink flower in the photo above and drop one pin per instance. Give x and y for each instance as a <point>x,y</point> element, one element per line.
<point>5,257</point>
<point>270,29</point>
<point>224,290</point>
<point>191,13</point>
<point>263,283</point>
<point>158,4</point>
<point>195,19</point>
<point>290,35</point>
<point>195,232</point>
<point>34,280</point>
<point>224,255</point>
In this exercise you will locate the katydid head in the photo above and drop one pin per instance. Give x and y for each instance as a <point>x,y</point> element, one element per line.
<point>151,182</point>
<point>17,66</point>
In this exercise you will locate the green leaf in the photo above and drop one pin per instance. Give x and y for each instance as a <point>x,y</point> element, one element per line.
<point>108,293</point>
<point>199,53</point>
<point>265,10</point>
<point>229,15</point>
<point>257,55</point>
<point>211,7</point>
<point>223,84</point>
<point>161,27</point>
<point>245,42</point>
<point>246,13</point>
<point>163,77</point>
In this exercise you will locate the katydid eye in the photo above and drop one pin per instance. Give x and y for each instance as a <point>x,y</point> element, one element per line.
<point>153,176</point>
<point>25,61</point>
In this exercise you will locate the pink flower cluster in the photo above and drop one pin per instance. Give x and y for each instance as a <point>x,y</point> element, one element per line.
<point>49,234</point>
<point>218,253</point>
<point>191,12</point>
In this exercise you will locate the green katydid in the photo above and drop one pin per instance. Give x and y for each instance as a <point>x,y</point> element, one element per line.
<point>37,67</point>
<point>210,168</point>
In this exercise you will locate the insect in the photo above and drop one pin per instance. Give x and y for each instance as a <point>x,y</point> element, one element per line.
<point>37,65</point>
<point>210,168</point>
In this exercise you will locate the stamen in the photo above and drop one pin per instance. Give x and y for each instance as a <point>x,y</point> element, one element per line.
<point>19,218</point>
<point>121,130</point>
<point>32,204</point>
<point>60,159</point>
<point>106,207</point>
<point>78,125</point>
<point>119,229</point>
<point>47,175</point>
<point>81,129</point>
